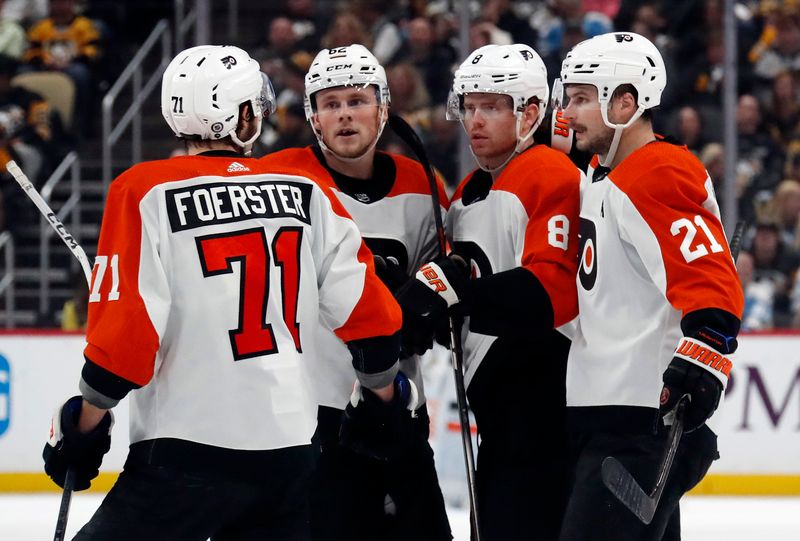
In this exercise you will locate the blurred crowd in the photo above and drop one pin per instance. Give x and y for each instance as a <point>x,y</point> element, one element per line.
<point>418,43</point>
<point>52,75</point>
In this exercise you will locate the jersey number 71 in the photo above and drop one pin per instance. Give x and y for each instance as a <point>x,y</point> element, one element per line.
<point>254,336</point>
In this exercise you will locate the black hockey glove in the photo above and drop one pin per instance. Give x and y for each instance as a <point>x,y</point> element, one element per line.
<point>390,272</point>
<point>425,300</point>
<point>377,429</point>
<point>700,370</point>
<point>68,449</point>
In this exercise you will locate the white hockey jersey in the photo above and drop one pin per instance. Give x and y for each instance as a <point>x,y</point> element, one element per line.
<point>652,250</point>
<point>396,222</point>
<point>212,276</point>
<point>527,219</point>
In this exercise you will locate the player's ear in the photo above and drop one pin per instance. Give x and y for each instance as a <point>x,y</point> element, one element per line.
<point>247,122</point>
<point>530,114</point>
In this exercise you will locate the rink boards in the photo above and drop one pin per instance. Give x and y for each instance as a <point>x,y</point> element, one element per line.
<point>759,427</point>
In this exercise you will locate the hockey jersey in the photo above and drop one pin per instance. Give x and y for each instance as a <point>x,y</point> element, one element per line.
<point>526,218</point>
<point>652,250</point>
<point>393,212</point>
<point>213,273</point>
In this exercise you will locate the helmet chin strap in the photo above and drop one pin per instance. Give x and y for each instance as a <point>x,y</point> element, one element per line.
<point>608,159</point>
<point>367,150</point>
<point>517,148</point>
<point>247,146</point>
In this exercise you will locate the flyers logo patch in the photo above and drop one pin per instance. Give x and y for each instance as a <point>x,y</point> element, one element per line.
<point>587,268</point>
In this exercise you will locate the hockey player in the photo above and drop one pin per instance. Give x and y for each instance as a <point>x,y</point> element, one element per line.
<point>514,220</point>
<point>347,103</point>
<point>213,271</point>
<point>657,291</point>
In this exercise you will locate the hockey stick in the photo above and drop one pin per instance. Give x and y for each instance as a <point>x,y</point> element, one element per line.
<point>51,218</point>
<point>80,255</point>
<point>620,481</point>
<point>410,137</point>
<point>63,510</point>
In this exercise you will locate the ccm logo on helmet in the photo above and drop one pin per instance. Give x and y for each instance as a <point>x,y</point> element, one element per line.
<point>338,67</point>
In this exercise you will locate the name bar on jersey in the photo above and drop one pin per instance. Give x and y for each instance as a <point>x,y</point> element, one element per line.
<point>226,202</point>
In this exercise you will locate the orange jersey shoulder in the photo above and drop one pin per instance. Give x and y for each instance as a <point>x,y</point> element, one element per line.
<point>671,190</point>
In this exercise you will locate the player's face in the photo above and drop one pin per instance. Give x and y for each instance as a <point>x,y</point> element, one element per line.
<point>583,115</point>
<point>491,126</point>
<point>348,119</point>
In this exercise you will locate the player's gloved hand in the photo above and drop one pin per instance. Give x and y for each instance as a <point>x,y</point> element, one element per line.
<point>68,449</point>
<point>377,429</point>
<point>389,271</point>
<point>425,300</point>
<point>699,369</point>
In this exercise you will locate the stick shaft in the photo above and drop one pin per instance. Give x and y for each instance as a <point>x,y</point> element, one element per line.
<point>51,218</point>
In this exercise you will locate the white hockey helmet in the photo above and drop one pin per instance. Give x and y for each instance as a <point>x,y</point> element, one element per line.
<point>353,65</point>
<point>514,70</point>
<point>615,59</point>
<point>203,86</point>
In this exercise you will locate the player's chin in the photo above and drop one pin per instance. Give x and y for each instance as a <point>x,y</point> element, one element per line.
<point>350,149</point>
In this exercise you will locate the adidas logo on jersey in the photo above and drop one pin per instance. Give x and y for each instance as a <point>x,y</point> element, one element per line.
<point>236,167</point>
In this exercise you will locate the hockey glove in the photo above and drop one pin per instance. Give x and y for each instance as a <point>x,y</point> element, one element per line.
<point>377,429</point>
<point>68,449</point>
<point>389,271</point>
<point>700,370</point>
<point>425,300</point>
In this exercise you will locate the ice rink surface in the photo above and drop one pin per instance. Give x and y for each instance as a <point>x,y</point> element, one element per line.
<point>32,518</point>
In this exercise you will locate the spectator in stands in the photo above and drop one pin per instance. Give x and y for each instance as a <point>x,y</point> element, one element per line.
<point>774,262</point>
<point>783,53</point>
<point>345,30</point>
<point>12,37</point>
<point>701,81</point>
<point>690,129</point>
<point>760,162</point>
<point>375,15</point>
<point>410,98</point>
<point>67,42</point>
<point>786,206</point>
<point>307,23</point>
<point>782,111</point>
<point>485,33</point>
<point>292,129</point>
<point>791,164</point>
<point>24,11</point>
<point>758,296</point>
<point>553,19</point>
<point>30,134</point>
<point>501,14</point>
<point>441,141</point>
<point>432,62</point>
<point>281,42</point>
